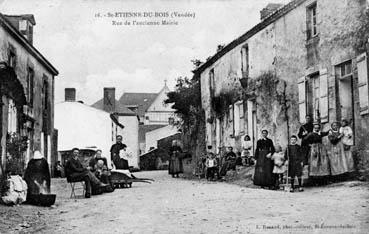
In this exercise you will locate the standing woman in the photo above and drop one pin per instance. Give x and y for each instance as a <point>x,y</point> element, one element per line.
<point>175,161</point>
<point>348,142</point>
<point>263,175</point>
<point>318,159</point>
<point>336,154</point>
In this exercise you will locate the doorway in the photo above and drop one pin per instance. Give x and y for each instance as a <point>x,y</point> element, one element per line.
<point>252,123</point>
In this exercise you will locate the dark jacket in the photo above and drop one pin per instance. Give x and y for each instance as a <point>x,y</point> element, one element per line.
<point>74,171</point>
<point>264,144</point>
<point>307,128</point>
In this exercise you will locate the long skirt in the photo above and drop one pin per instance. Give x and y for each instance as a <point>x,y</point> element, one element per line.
<point>318,161</point>
<point>263,175</point>
<point>340,159</point>
<point>175,166</point>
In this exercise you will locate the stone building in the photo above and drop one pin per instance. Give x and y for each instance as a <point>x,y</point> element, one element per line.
<point>27,89</point>
<point>304,58</point>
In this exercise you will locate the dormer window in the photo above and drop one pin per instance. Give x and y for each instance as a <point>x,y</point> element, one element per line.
<point>23,25</point>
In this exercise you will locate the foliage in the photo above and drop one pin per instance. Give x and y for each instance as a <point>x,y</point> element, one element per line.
<point>16,145</point>
<point>221,102</point>
<point>362,34</point>
<point>186,100</point>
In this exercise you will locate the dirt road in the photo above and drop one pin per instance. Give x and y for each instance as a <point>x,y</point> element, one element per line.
<point>185,206</point>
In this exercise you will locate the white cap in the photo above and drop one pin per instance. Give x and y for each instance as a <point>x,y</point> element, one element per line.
<point>37,155</point>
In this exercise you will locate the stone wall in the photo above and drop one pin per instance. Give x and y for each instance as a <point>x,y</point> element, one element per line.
<point>24,60</point>
<point>282,52</point>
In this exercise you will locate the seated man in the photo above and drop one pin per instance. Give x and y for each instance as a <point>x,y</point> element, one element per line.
<point>99,166</point>
<point>76,172</point>
<point>229,162</point>
<point>211,166</point>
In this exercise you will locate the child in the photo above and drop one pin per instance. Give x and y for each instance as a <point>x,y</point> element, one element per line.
<point>247,150</point>
<point>211,166</point>
<point>279,168</point>
<point>295,158</point>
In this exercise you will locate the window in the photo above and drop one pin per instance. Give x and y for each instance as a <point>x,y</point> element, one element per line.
<point>231,117</point>
<point>345,100</point>
<point>313,96</point>
<point>311,21</point>
<point>12,58</point>
<point>30,84</point>
<point>12,117</point>
<point>344,70</point>
<point>23,25</point>
<point>317,96</point>
<point>362,70</point>
<point>245,61</point>
<point>231,113</point>
<point>239,118</point>
<point>242,118</point>
<point>211,83</point>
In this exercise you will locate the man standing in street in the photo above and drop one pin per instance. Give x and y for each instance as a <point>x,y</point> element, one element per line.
<point>114,154</point>
<point>76,172</point>
<point>302,134</point>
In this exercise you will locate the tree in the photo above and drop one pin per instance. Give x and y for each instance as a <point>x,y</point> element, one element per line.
<point>186,100</point>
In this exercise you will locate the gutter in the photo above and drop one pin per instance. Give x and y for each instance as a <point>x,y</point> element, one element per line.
<point>30,48</point>
<point>257,28</point>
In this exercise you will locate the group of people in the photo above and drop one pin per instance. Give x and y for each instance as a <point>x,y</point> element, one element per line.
<point>216,168</point>
<point>323,160</point>
<point>97,175</point>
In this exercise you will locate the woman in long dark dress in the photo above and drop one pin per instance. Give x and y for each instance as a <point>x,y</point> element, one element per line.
<point>263,175</point>
<point>175,160</point>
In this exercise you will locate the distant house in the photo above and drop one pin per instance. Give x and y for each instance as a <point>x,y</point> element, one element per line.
<point>158,112</point>
<point>83,126</point>
<point>137,102</point>
<point>125,117</point>
<point>142,130</point>
<point>153,114</point>
<point>154,136</point>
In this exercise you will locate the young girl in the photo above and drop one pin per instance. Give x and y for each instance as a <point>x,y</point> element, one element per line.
<point>279,166</point>
<point>247,150</point>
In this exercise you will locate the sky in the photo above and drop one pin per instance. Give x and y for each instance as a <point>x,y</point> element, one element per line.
<point>91,53</point>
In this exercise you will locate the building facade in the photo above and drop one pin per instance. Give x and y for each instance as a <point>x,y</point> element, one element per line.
<point>304,58</point>
<point>159,112</point>
<point>27,90</point>
<point>84,127</point>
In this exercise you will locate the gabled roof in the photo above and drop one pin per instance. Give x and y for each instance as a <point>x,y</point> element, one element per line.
<point>161,95</point>
<point>143,129</point>
<point>257,28</point>
<point>119,109</point>
<point>140,100</point>
<point>26,44</point>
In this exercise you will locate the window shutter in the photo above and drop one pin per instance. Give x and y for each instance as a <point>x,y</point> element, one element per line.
<point>362,72</point>
<point>302,98</point>
<point>323,101</point>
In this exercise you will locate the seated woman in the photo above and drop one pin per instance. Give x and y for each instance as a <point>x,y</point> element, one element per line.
<point>99,166</point>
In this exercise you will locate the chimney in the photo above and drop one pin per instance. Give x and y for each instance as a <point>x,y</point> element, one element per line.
<point>269,9</point>
<point>24,24</point>
<point>109,100</point>
<point>70,94</point>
